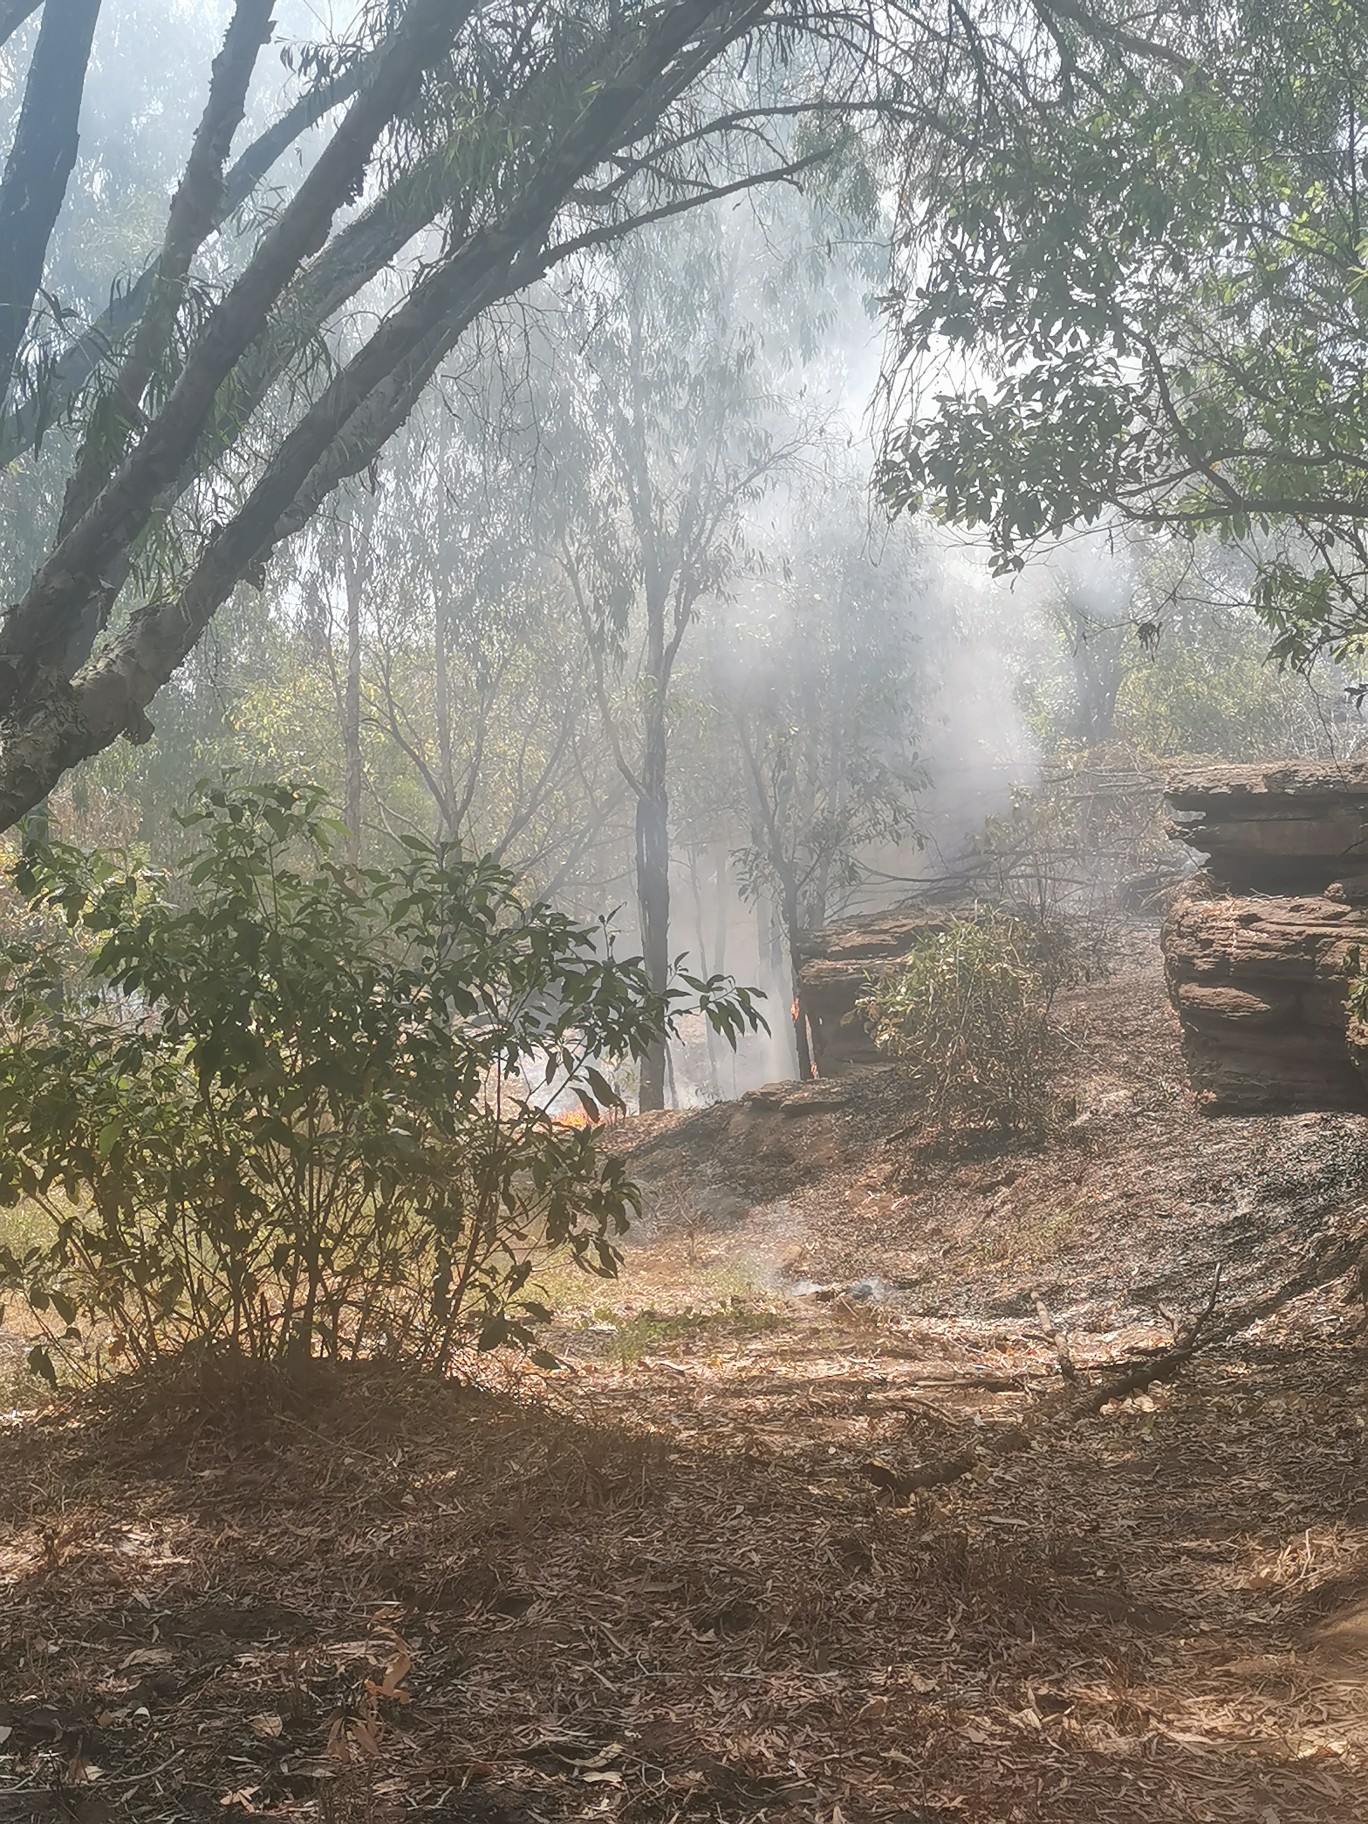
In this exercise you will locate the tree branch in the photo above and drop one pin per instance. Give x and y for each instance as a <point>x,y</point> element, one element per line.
<point>39,166</point>
<point>24,427</point>
<point>196,208</point>
<point>13,14</point>
<point>52,725</point>
<point>37,627</point>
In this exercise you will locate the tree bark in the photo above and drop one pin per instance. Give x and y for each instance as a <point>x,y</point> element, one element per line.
<point>653,885</point>
<point>353,577</point>
<point>39,166</point>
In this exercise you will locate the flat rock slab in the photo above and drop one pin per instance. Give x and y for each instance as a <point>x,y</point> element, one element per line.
<point>1279,828</point>
<point>1202,788</point>
<point>878,936</point>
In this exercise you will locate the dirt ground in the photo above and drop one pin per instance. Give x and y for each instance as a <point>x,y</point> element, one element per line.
<point>687,1577</point>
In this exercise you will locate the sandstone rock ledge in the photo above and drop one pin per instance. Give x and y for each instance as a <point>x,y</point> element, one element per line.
<point>1255,951</point>
<point>838,965</point>
<point>1290,828</point>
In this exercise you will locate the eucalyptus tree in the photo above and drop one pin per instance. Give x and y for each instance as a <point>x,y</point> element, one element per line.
<point>465,148</point>
<point>674,426</point>
<point>1135,291</point>
<point>476,674</point>
<point>307,284</point>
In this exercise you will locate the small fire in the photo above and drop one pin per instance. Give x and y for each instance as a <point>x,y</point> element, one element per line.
<point>575,1117</point>
<point>795,1012</point>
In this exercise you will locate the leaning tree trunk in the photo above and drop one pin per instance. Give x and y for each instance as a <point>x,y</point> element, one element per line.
<point>41,159</point>
<point>653,889</point>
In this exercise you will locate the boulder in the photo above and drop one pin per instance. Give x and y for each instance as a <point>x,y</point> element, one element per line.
<point>1259,987</point>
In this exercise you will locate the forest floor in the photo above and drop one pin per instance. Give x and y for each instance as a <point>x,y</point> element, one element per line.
<point>686,1578</point>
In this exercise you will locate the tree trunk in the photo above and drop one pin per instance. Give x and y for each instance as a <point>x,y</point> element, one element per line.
<point>653,887</point>
<point>796,1014</point>
<point>351,695</point>
<point>441,684</point>
<point>721,932</point>
<point>1097,657</point>
<point>800,1025</point>
<point>710,961</point>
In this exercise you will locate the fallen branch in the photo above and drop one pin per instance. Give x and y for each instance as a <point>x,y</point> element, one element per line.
<point>1331,1261</point>
<point>1159,1364</point>
<point>980,1383</point>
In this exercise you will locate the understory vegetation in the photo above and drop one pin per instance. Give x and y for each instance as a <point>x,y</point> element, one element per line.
<point>281,1108</point>
<point>966,1013</point>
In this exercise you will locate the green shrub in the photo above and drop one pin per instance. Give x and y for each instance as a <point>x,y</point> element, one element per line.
<point>275,1106</point>
<point>967,1013</point>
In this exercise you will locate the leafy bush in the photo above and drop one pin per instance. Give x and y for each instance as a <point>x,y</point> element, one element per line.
<point>278,1107</point>
<point>967,1013</point>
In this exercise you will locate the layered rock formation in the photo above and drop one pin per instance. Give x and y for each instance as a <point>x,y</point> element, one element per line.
<point>1291,828</point>
<point>1256,948</point>
<point>838,965</point>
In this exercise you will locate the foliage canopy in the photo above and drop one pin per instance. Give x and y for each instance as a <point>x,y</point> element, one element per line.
<point>1137,293</point>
